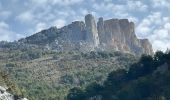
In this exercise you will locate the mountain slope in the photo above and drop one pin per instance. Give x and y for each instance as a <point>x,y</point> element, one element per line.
<point>51,62</point>
<point>50,74</point>
<point>106,35</point>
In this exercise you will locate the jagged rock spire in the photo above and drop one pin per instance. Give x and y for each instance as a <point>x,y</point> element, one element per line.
<point>91,30</point>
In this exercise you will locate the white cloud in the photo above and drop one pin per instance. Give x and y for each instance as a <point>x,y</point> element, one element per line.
<point>62,13</point>
<point>148,24</point>
<point>160,38</point>
<point>108,7</point>
<point>136,6</point>
<point>133,19</point>
<point>59,23</point>
<point>117,10</point>
<point>40,26</point>
<point>6,34</point>
<point>35,15</point>
<point>156,18</point>
<point>143,29</point>
<point>160,33</point>
<point>108,1</point>
<point>157,29</point>
<point>120,10</point>
<point>167,26</point>
<point>161,3</point>
<point>5,14</point>
<point>84,11</point>
<point>39,1</point>
<point>26,17</point>
<point>161,45</point>
<point>56,2</point>
<point>4,25</point>
<point>66,2</point>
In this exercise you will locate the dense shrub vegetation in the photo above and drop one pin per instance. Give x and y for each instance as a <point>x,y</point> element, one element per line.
<point>42,37</point>
<point>42,74</point>
<point>6,81</point>
<point>148,79</point>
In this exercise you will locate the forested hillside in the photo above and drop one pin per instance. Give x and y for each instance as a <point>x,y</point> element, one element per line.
<point>43,74</point>
<point>148,79</point>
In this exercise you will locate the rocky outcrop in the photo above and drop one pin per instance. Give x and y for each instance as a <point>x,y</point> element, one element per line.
<point>91,30</point>
<point>147,47</point>
<point>101,31</point>
<point>4,95</point>
<point>119,34</point>
<point>108,35</point>
<point>75,32</point>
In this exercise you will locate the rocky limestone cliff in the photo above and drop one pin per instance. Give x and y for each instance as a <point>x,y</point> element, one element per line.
<point>74,32</point>
<point>146,46</point>
<point>119,34</point>
<point>108,35</point>
<point>91,30</point>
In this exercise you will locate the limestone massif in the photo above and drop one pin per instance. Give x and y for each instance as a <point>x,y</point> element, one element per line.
<point>105,35</point>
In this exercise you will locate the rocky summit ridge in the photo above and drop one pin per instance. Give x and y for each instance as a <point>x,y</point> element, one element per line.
<point>105,35</point>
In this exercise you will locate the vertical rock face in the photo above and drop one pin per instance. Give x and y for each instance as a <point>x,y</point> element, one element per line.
<point>91,30</point>
<point>75,32</point>
<point>101,32</point>
<point>120,35</point>
<point>147,47</point>
<point>131,41</point>
<point>113,35</point>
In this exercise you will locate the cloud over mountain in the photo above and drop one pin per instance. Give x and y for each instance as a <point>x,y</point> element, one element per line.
<point>26,17</point>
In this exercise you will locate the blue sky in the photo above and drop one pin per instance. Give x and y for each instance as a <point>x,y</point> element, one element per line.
<point>20,18</point>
